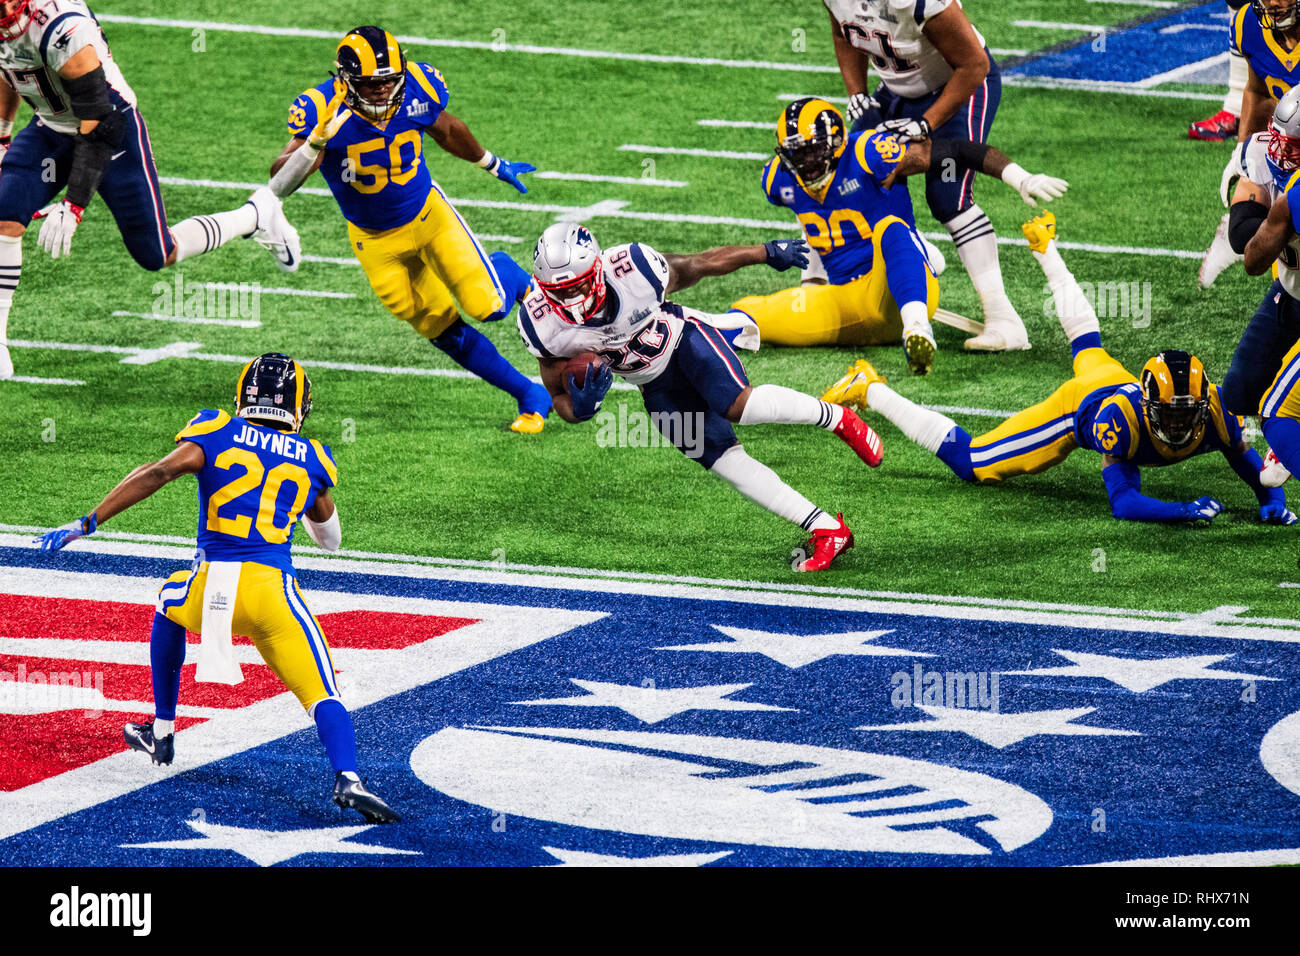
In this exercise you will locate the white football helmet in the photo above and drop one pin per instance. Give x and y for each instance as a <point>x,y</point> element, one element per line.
<point>1284,132</point>
<point>568,269</point>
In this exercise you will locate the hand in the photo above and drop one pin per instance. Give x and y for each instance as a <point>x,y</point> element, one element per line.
<point>785,254</point>
<point>61,221</point>
<point>908,130</point>
<point>1275,512</point>
<point>860,103</point>
<point>1202,509</point>
<point>329,123</point>
<point>1231,173</point>
<point>1041,188</point>
<point>56,539</point>
<point>509,172</point>
<point>586,400</point>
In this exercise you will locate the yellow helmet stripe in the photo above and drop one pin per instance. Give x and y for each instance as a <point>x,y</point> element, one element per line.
<point>809,113</point>
<point>299,378</point>
<point>363,51</point>
<point>394,52</point>
<point>239,385</point>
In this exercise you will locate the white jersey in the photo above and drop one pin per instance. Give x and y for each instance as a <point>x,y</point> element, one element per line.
<point>31,63</point>
<point>1254,160</point>
<point>890,32</point>
<point>642,330</point>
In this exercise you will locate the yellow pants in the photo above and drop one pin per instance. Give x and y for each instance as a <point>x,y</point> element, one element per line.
<point>1043,435</point>
<point>861,312</point>
<point>1283,396</point>
<point>416,269</point>
<point>270,609</point>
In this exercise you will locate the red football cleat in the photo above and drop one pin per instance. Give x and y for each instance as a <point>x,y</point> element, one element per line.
<point>827,545</point>
<point>1222,125</point>
<point>859,436</point>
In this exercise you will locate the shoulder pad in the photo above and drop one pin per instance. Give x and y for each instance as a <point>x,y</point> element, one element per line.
<point>533,308</point>
<point>431,81</point>
<point>306,110</point>
<point>1115,428</point>
<point>204,423</point>
<point>326,459</point>
<point>878,152</point>
<point>652,267</point>
<point>64,36</point>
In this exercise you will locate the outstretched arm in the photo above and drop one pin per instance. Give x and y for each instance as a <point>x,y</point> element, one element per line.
<point>1123,484</point>
<point>451,133</point>
<point>686,270</point>
<point>953,157</point>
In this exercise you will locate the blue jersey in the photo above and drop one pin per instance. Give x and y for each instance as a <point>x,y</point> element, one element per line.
<point>376,171</point>
<point>1273,63</point>
<point>255,484</point>
<point>838,221</point>
<point>1110,421</point>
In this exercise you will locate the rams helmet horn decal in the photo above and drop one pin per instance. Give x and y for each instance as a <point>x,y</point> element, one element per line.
<point>810,139</point>
<point>366,58</point>
<point>1175,397</point>
<point>274,390</point>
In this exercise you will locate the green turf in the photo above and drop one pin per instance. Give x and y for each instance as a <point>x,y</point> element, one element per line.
<point>433,469</point>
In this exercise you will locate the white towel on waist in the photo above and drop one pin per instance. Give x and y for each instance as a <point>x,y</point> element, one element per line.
<point>217,664</point>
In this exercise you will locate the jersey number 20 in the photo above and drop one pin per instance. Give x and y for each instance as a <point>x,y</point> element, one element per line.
<point>255,475</point>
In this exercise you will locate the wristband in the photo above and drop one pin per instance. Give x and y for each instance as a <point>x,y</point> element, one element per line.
<point>1015,176</point>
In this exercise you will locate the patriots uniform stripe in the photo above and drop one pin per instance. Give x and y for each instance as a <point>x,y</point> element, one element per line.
<point>643,266</point>
<point>720,346</point>
<point>526,326</point>
<point>51,30</point>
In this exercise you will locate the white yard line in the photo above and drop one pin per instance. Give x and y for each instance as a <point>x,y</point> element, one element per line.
<point>1053,25</point>
<point>691,151</point>
<point>263,290</point>
<point>621,180</point>
<point>487,45</point>
<point>1098,86</point>
<point>33,380</point>
<point>738,124</point>
<point>1178,72</point>
<point>188,320</point>
<point>1158,4</point>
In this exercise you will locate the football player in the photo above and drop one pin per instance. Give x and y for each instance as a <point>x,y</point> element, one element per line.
<point>842,187</point>
<point>88,135</point>
<point>937,78</point>
<point>257,478</point>
<point>1224,124</point>
<point>1266,33</point>
<point>615,304</point>
<point>364,130</point>
<point>1169,414</point>
<point>1263,223</point>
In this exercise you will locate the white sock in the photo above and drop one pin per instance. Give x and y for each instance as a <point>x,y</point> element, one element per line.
<point>778,405</point>
<point>977,246</point>
<point>925,427</point>
<point>1238,73</point>
<point>761,485</point>
<point>11,266</point>
<point>1072,306</point>
<point>200,234</point>
<point>161,728</point>
<point>915,314</point>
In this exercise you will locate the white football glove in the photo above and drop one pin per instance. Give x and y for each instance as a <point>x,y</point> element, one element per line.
<point>859,103</point>
<point>1034,187</point>
<point>1231,173</point>
<point>61,221</point>
<point>908,130</point>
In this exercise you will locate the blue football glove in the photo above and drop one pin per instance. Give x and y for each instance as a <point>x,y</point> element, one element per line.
<point>785,254</point>
<point>586,400</point>
<point>56,539</point>
<point>1202,509</point>
<point>907,130</point>
<point>509,172</point>
<point>1275,512</point>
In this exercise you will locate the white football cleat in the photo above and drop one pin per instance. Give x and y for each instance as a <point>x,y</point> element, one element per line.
<point>6,363</point>
<point>1273,474</point>
<point>937,262</point>
<point>1218,257</point>
<point>274,232</point>
<point>1000,336</point>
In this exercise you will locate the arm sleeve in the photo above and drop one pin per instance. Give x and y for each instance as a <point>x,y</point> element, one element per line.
<point>328,533</point>
<point>1129,504</point>
<point>1247,467</point>
<point>878,153</point>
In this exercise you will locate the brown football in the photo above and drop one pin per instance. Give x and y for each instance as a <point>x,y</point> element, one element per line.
<point>577,367</point>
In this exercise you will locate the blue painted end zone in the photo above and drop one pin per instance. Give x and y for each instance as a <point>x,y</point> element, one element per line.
<point>1148,49</point>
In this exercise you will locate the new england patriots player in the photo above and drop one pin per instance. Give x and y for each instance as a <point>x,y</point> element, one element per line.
<point>1168,414</point>
<point>614,303</point>
<point>364,130</point>
<point>937,78</point>
<point>1264,218</point>
<point>257,477</point>
<point>846,193</point>
<point>88,135</point>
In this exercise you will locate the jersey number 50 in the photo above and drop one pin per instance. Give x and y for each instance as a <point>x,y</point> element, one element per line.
<point>255,474</point>
<point>370,178</point>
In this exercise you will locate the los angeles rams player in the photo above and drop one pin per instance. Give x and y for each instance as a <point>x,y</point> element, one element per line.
<point>937,78</point>
<point>1264,218</point>
<point>88,133</point>
<point>1169,414</point>
<point>257,477</point>
<point>615,304</point>
<point>842,187</point>
<point>364,129</point>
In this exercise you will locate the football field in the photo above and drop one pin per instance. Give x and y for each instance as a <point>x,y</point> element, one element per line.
<point>655,130</point>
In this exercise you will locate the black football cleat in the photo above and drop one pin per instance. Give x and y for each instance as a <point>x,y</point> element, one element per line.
<point>140,737</point>
<point>352,794</point>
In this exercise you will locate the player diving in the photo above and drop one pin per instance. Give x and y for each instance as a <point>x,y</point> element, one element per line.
<point>257,477</point>
<point>87,134</point>
<point>615,304</point>
<point>1168,414</point>
<point>848,194</point>
<point>363,129</point>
